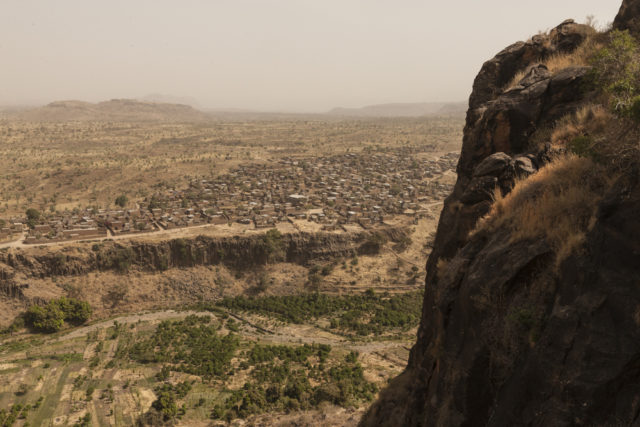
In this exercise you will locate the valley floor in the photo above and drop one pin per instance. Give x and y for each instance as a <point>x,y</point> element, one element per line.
<point>74,373</point>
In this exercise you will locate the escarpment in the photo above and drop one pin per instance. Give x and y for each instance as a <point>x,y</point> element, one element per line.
<point>237,252</point>
<point>538,329</point>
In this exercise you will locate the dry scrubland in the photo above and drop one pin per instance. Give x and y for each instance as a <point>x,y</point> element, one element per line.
<point>76,164</point>
<point>357,329</point>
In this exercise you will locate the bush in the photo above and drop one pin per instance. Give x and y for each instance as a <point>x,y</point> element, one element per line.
<point>363,314</point>
<point>616,70</point>
<point>122,200</point>
<point>182,249</point>
<point>557,204</point>
<point>191,345</point>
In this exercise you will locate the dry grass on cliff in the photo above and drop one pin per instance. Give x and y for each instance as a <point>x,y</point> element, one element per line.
<point>557,204</point>
<point>559,61</point>
<point>593,131</point>
<point>589,120</point>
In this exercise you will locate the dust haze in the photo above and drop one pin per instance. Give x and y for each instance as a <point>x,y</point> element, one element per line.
<point>284,55</point>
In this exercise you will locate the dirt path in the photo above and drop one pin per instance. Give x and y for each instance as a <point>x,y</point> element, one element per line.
<point>176,231</point>
<point>133,318</point>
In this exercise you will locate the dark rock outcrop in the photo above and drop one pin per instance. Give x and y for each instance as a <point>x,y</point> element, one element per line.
<point>628,17</point>
<point>507,338</point>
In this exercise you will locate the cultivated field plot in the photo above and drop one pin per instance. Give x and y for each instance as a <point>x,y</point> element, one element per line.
<point>267,359</point>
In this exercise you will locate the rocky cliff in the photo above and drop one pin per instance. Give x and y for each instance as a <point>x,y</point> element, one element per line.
<point>237,252</point>
<point>516,331</point>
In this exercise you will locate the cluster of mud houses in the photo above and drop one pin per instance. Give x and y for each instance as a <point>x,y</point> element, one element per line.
<point>351,188</point>
<point>11,228</point>
<point>363,188</point>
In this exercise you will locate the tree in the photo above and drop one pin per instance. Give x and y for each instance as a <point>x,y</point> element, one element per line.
<point>166,405</point>
<point>274,245</point>
<point>33,216</point>
<point>46,319</point>
<point>75,311</point>
<point>122,200</point>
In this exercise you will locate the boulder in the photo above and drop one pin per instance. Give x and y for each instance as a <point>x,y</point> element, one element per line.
<point>567,36</point>
<point>494,165</point>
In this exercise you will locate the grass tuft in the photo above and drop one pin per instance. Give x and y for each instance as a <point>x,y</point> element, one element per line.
<point>557,204</point>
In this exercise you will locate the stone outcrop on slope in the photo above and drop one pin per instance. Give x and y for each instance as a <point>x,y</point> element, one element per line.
<point>506,339</point>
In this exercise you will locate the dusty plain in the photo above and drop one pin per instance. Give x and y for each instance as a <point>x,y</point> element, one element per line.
<point>94,375</point>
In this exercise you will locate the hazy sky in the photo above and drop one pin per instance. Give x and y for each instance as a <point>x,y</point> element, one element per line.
<point>284,55</point>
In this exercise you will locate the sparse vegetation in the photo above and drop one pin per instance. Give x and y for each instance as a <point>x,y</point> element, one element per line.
<point>119,258</point>
<point>557,204</point>
<point>117,369</point>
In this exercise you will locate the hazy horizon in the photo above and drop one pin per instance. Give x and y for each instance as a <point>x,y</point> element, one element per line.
<point>283,55</point>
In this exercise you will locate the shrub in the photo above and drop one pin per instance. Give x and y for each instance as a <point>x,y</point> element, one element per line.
<point>554,63</point>
<point>191,345</point>
<point>362,314</point>
<point>616,70</point>
<point>375,241</point>
<point>182,249</point>
<point>122,200</point>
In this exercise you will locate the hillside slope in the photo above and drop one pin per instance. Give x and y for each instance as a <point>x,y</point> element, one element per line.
<point>532,304</point>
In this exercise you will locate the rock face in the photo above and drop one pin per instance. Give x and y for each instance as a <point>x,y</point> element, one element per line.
<point>628,17</point>
<point>506,339</point>
<point>239,252</point>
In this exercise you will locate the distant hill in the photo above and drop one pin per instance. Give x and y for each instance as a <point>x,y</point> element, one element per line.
<point>162,98</point>
<point>113,110</point>
<point>403,110</point>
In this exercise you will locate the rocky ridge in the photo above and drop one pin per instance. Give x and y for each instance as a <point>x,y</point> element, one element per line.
<point>507,337</point>
<point>237,252</point>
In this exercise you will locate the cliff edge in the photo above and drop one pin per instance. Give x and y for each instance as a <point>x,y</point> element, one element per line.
<point>531,312</point>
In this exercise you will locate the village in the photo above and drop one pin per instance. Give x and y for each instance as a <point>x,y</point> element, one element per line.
<point>336,192</point>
